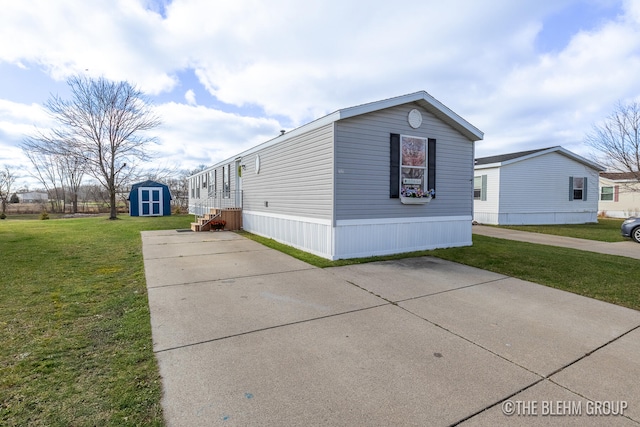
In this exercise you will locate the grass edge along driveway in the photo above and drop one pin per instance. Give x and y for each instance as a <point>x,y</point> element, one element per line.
<point>75,334</point>
<point>607,278</point>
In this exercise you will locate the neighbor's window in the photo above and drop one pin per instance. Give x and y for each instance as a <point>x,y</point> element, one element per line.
<point>480,187</point>
<point>578,187</point>
<point>413,161</point>
<point>477,187</point>
<point>606,193</point>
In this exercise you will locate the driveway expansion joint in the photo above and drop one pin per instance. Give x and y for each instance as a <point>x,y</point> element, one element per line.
<point>454,289</point>
<point>544,378</point>
<point>589,353</point>
<point>164,350</point>
<point>204,255</point>
<point>197,282</point>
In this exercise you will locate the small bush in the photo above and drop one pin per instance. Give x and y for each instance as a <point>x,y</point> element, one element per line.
<point>3,215</point>
<point>44,215</point>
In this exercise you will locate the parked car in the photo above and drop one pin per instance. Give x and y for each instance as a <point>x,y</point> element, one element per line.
<point>631,228</point>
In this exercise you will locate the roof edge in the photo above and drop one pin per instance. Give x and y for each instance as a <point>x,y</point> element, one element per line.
<point>440,110</point>
<point>460,124</point>
<point>559,149</point>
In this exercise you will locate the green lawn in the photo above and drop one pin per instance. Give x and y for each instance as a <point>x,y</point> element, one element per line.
<point>605,277</point>
<point>608,278</point>
<point>75,337</point>
<point>606,230</point>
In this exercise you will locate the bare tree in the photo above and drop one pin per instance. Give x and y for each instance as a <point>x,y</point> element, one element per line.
<point>179,187</point>
<point>74,170</point>
<point>617,138</point>
<point>47,169</point>
<point>7,178</point>
<point>104,126</point>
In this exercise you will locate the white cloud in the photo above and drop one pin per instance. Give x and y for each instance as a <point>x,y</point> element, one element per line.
<point>553,99</point>
<point>16,121</point>
<point>300,60</point>
<point>120,41</point>
<point>190,97</point>
<point>199,135</point>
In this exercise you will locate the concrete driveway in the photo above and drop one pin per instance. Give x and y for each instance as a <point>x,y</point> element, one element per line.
<point>625,248</point>
<point>247,336</point>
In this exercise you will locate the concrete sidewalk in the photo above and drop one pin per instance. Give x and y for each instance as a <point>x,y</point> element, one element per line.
<point>247,336</point>
<point>627,248</point>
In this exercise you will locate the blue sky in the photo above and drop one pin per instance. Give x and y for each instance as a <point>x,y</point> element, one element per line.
<point>225,76</point>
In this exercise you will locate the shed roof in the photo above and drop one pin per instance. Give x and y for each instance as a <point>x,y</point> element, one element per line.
<point>505,159</point>
<point>148,183</point>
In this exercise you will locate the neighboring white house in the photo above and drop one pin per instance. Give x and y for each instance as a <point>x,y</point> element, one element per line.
<point>349,184</point>
<point>545,186</point>
<point>619,194</point>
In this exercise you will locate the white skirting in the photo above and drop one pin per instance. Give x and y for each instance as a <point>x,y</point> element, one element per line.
<point>360,238</point>
<point>536,218</point>
<point>309,234</point>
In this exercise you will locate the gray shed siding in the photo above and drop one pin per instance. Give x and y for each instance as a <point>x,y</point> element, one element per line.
<point>295,178</point>
<point>363,160</point>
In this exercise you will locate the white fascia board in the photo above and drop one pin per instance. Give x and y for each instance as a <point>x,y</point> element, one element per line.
<point>422,97</point>
<point>358,110</point>
<point>581,159</point>
<point>529,156</point>
<point>558,150</point>
<point>280,138</point>
<point>316,124</point>
<point>487,166</point>
<point>425,100</point>
<point>454,120</point>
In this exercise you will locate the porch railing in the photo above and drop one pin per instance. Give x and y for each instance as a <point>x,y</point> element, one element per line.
<point>217,200</point>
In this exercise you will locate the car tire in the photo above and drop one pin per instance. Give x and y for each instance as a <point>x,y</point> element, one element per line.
<point>635,234</point>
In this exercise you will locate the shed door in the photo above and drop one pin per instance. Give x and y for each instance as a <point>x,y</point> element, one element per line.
<point>150,201</point>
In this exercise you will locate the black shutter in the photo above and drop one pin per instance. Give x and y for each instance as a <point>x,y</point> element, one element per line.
<point>431,165</point>
<point>584,189</point>
<point>570,188</point>
<point>483,193</point>
<point>394,170</point>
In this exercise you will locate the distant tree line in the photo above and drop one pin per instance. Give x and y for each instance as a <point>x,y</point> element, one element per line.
<point>91,196</point>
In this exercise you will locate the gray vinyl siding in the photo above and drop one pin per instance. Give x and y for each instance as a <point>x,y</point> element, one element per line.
<point>362,166</point>
<point>541,184</point>
<point>295,178</point>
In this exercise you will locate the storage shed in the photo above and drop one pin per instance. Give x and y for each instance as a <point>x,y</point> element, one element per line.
<point>385,177</point>
<point>149,198</point>
<point>545,186</point>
